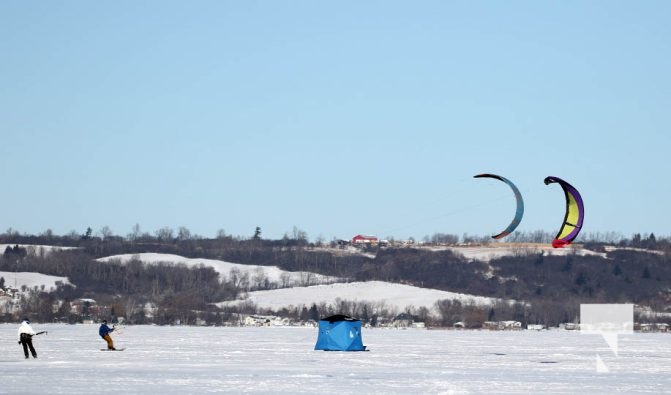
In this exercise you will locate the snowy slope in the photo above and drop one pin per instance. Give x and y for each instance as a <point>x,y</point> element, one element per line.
<point>36,249</point>
<point>272,273</point>
<point>397,296</point>
<point>31,280</point>
<point>491,251</point>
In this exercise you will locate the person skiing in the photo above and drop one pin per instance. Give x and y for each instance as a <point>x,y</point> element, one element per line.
<point>26,334</point>
<point>104,332</point>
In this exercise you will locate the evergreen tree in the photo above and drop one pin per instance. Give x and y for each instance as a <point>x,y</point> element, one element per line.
<point>636,240</point>
<point>88,234</point>
<point>651,242</point>
<point>313,313</point>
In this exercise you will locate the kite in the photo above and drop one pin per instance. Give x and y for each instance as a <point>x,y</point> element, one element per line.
<point>575,213</point>
<point>520,205</point>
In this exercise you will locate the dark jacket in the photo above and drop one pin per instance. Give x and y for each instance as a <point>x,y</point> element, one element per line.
<point>104,330</point>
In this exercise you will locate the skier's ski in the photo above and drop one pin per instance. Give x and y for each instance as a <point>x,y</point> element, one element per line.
<point>116,349</point>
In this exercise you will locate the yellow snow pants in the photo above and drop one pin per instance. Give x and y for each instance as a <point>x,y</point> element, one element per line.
<point>108,339</point>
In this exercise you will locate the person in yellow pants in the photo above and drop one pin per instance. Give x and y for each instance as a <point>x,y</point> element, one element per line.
<point>104,332</point>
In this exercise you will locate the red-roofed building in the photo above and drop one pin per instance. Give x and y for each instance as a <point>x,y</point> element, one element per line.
<point>363,240</point>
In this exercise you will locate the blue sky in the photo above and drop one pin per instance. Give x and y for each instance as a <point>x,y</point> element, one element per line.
<point>336,118</point>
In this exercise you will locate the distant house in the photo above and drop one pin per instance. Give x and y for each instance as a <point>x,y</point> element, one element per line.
<point>511,325</point>
<point>83,306</point>
<point>258,320</point>
<point>364,240</point>
<point>490,325</point>
<point>403,320</point>
<point>502,325</point>
<point>342,243</point>
<point>56,305</point>
<point>150,309</point>
<point>570,326</point>
<point>265,320</point>
<point>5,304</point>
<point>661,327</point>
<point>310,323</point>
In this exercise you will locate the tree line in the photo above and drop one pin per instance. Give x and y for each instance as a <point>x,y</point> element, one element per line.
<point>533,288</point>
<point>297,237</point>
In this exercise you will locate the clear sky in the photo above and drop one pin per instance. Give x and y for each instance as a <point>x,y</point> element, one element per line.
<point>337,118</point>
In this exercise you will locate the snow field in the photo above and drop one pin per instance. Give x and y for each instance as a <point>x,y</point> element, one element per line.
<point>31,280</point>
<point>272,273</point>
<point>396,296</point>
<point>198,360</point>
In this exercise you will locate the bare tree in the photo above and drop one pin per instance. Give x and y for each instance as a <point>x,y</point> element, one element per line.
<point>285,280</point>
<point>259,279</point>
<point>73,235</point>
<point>134,235</point>
<point>106,232</point>
<point>299,234</point>
<point>165,234</point>
<point>48,234</point>
<point>183,234</point>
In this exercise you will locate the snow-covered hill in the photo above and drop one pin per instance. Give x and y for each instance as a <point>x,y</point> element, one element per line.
<point>36,249</point>
<point>31,280</point>
<point>255,273</point>
<point>488,252</point>
<point>391,295</point>
<point>491,251</point>
<point>305,288</point>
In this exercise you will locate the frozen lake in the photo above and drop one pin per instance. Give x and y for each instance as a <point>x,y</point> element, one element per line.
<point>196,360</point>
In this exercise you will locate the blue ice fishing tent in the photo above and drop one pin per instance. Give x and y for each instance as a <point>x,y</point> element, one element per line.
<point>339,333</point>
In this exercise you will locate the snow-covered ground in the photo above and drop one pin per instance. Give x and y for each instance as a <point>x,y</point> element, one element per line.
<point>36,249</point>
<point>31,280</point>
<point>272,273</point>
<point>613,248</point>
<point>199,360</point>
<point>491,251</point>
<point>487,252</point>
<point>397,296</point>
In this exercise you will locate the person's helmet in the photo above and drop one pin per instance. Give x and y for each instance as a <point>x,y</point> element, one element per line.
<point>105,322</point>
<point>26,320</point>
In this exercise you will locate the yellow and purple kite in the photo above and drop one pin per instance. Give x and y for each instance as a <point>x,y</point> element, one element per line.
<point>575,213</point>
<point>520,204</point>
